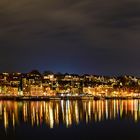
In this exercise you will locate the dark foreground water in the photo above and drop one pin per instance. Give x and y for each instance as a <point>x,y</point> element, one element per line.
<point>70,120</point>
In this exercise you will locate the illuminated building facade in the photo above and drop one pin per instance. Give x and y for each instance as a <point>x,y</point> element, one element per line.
<point>49,84</point>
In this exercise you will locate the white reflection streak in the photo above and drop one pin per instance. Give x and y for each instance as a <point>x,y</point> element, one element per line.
<point>51,117</point>
<point>114,109</point>
<point>106,109</point>
<point>67,113</point>
<point>77,112</point>
<point>5,119</point>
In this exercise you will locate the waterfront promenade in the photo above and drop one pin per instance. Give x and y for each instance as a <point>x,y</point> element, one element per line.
<point>46,98</point>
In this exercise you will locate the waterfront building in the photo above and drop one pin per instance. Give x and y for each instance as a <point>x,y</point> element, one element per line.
<point>36,90</point>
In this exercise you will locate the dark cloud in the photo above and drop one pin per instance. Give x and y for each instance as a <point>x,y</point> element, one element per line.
<point>100,36</point>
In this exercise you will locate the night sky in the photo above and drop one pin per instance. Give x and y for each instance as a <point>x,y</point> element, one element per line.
<point>74,36</point>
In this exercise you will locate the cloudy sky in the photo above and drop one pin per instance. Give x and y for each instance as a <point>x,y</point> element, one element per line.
<point>75,36</point>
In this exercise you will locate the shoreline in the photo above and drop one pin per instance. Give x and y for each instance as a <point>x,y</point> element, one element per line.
<point>48,98</point>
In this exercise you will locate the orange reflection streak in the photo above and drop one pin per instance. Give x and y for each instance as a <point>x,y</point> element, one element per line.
<point>66,112</point>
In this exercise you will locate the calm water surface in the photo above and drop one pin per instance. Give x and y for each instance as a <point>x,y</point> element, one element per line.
<point>65,119</point>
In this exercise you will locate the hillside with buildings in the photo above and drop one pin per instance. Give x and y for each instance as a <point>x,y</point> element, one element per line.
<point>52,84</point>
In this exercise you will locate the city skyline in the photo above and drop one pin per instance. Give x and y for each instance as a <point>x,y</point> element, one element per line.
<point>50,72</point>
<point>37,86</point>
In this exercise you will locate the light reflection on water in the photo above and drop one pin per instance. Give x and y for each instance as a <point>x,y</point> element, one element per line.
<point>66,112</point>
